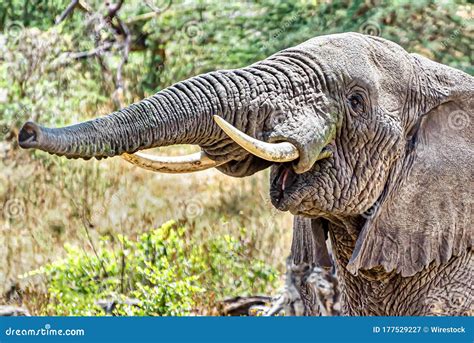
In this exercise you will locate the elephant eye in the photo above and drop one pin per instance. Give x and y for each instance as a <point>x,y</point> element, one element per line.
<point>356,103</point>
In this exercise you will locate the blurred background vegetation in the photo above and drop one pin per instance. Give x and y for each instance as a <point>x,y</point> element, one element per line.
<point>74,232</point>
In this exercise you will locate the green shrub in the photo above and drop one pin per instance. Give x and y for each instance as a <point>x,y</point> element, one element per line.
<point>167,273</point>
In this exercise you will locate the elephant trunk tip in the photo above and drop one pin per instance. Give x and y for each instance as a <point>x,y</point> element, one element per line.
<point>59,142</point>
<point>29,136</point>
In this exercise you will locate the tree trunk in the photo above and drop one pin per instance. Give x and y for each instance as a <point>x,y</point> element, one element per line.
<point>310,269</point>
<point>302,260</point>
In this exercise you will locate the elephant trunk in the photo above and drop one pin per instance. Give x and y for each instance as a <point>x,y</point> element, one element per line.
<point>180,114</point>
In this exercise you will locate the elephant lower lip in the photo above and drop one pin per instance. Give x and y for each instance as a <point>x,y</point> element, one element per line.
<point>285,177</point>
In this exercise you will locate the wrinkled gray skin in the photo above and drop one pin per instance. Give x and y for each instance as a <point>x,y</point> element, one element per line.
<point>395,197</point>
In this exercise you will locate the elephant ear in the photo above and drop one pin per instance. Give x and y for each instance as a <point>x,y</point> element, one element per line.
<point>424,213</point>
<point>309,242</point>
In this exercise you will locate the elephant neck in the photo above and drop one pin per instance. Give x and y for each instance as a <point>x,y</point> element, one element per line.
<point>374,292</point>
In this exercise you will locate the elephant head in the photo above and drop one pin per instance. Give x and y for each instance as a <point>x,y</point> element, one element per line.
<point>357,132</point>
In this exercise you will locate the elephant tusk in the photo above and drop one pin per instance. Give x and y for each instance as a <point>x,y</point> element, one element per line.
<point>173,165</point>
<point>274,152</point>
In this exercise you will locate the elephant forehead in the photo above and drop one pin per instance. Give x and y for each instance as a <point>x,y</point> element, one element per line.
<point>380,66</point>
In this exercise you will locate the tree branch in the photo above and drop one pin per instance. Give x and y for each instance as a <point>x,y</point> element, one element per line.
<point>113,9</point>
<point>91,53</point>
<point>69,9</point>
<point>121,42</point>
<point>125,51</point>
<point>142,17</point>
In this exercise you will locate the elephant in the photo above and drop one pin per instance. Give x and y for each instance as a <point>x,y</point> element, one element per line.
<point>370,147</point>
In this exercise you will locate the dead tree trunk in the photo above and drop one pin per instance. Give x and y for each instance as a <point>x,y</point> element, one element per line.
<point>310,269</point>
<point>311,287</point>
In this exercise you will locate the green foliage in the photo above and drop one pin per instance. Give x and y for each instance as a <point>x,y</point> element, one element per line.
<point>31,13</point>
<point>210,35</point>
<point>41,82</point>
<point>165,270</point>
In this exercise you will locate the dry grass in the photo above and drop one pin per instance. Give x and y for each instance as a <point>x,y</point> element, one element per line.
<point>48,201</point>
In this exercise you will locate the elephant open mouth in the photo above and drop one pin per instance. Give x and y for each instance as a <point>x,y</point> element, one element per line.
<point>281,185</point>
